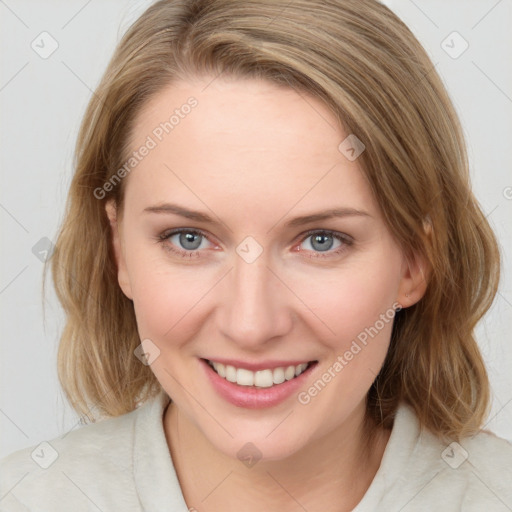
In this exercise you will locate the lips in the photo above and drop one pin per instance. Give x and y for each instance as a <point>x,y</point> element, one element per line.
<point>261,393</point>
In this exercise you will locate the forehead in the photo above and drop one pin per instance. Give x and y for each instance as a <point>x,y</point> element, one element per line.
<point>244,139</point>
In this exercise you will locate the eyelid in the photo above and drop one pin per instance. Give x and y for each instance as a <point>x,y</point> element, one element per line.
<point>167,233</point>
<point>347,240</point>
<point>330,232</point>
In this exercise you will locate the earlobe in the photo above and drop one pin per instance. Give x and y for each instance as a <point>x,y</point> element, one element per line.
<point>414,280</point>
<point>122,273</point>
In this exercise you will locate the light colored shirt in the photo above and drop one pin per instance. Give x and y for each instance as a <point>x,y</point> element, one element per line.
<point>124,464</point>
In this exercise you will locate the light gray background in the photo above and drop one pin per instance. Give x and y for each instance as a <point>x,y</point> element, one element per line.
<point>42,102</point>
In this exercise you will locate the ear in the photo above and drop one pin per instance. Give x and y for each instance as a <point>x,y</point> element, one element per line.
<point>414,280</point>
<point>117,243</point>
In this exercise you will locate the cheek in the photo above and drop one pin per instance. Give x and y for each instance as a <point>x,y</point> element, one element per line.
<point>167,302</point>
<point>357,307</point>
<point>164,295</point>
<point>355,298</point>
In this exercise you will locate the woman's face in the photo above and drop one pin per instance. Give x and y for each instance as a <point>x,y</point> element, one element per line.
<point>243,277</point>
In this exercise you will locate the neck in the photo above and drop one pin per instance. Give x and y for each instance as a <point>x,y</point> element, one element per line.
<point>317,477</point>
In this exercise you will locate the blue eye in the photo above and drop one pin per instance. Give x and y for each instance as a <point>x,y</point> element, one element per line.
<point>322,241</point>
<point>188,243</point>
<point>189,239</point>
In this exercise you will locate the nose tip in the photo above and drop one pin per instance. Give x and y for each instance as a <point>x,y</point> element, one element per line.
<point>254,306</point>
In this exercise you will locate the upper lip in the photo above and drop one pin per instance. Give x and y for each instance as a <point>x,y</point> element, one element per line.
<point>259,365</point>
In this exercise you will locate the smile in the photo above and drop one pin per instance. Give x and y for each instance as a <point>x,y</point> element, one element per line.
<point>257,385</point>
<point>265,378</point>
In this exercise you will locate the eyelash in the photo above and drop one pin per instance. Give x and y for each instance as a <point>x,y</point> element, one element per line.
<point>345,239</point>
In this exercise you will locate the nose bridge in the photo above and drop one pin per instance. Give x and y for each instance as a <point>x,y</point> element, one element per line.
<point>254,309</point>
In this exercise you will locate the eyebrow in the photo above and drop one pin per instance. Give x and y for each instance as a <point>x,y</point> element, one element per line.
<point>166,208</point>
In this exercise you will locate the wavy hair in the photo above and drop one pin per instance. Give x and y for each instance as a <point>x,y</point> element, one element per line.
<point>364,63</point>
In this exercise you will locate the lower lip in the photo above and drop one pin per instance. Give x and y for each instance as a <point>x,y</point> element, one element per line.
<point>250,397</point>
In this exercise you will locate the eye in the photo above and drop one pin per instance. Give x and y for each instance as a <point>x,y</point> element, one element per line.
<point>322,241</point>
<point>183,242</point>
<point>188,243</point>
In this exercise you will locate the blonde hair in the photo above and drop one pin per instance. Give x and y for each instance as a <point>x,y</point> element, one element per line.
<point>369,69</point>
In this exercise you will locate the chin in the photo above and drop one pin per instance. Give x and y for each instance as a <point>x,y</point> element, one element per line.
<point>257,449</point>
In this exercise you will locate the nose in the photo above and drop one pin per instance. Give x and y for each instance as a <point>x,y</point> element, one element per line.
<point>255,306</point>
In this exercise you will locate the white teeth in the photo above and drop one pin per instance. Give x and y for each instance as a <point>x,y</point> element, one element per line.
<point>300,368</point>
<point>289,373</point>
<point>261,378</point>
<point>244,377</point>
<point>230,373</point>
<point>220,368</point>
<point>278,375</point>
<point>264,379</point>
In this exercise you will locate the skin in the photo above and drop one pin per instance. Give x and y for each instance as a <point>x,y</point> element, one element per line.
<point>254,155</point>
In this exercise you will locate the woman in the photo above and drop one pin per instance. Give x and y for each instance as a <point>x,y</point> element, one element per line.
<point>272,265</point>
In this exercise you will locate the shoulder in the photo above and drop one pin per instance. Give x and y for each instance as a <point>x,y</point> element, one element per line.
<point>488,449</point>
<point>473,474</point>
<point>486,460</point>
<point>73,463</point>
